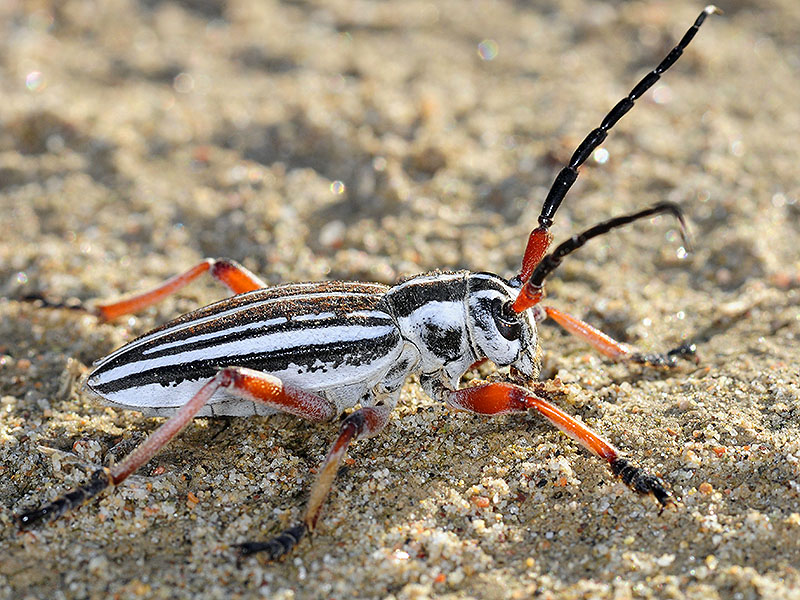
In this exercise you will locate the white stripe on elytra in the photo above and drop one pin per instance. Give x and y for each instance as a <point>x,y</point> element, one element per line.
<point>261,344</point>
<point>262,324</point>
<point>216,334</point>
<point>314,317</point>
<point>194,322</point>
<point>155,395</point>
<point>368,314</point>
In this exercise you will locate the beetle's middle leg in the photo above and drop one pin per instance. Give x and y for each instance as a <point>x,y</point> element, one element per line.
<point>500,398</point>
<point>362,423</point>
<point>610,347</point>
<point>238,381</point>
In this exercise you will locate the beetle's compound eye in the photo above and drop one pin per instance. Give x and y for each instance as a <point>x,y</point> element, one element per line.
<point>507,321</point>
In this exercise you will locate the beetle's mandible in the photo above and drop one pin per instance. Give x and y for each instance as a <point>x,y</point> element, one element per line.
<point>317,349</point>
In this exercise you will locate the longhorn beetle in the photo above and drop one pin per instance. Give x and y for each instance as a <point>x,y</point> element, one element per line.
<point>317,349</point>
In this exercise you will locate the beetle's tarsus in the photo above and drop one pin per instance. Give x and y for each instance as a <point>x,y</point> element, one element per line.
<point>687,351</point>
<point>44,302</point>
<point>99,481</point>
<point>642,482</point>
<point>275,548</point>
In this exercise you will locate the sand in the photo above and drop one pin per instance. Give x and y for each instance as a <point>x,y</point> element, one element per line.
<point>365,140</point>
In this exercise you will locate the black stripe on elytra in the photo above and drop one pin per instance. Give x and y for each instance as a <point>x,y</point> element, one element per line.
<point>188,326</point>
<point>151,350</point>
<point>356,296</point>
<point>408,297</point>
<point>332,355</point>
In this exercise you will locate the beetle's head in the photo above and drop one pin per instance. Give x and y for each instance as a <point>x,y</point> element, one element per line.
<point>496,331</point>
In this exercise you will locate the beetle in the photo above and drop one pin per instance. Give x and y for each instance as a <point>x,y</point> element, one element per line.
<point>316,350</point>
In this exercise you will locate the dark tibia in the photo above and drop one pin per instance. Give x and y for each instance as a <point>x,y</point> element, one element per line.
<point>99,481</point>
<point>641,481</point>
<point>44,302</point>
<point>567,176</point>
<point>686,351</point>
<point>277,546</point>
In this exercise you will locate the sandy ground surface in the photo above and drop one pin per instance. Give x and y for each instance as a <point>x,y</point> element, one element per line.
<point>370,140</point>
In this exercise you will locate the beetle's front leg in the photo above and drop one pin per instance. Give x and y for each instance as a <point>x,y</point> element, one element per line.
<point>613,349</point>
<point>241,382</point>
<point>362,423</point>
<point>501,398</point>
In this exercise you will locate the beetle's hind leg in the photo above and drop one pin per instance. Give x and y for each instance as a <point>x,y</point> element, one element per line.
<point>236,278</point>
<point>613,349</point>
<point>240,382</point>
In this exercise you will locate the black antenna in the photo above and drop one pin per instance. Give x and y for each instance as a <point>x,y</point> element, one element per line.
<point>551,261</point>
<point>567,176</point>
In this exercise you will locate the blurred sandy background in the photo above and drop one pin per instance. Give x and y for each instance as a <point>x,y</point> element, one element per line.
<point>369,140</point>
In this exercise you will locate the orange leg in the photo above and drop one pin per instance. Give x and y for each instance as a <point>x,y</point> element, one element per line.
<point>615,350</point>
<point>502,398</point>
<point>232,274</point>
<point>241,382</point>
<point>362,423</point>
